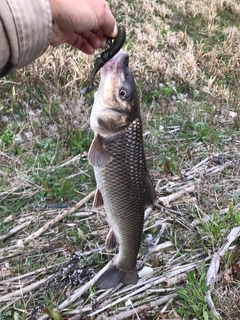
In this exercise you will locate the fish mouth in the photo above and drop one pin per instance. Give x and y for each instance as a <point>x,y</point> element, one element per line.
<point>116,64</point>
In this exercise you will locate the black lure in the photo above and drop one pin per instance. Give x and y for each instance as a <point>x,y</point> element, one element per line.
<point>112,49</point>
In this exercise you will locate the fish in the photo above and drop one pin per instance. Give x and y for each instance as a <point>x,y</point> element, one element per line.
<point>111,50</point>
<point>124,186</point>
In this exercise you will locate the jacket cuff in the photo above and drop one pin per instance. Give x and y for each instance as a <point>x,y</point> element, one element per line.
<point>29,29</point>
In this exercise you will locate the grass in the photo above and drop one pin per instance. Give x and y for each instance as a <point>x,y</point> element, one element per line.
<point>192,298</point>
<point>185,60</point>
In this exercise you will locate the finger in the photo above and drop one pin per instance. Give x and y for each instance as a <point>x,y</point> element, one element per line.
<point>93,38</point>
<point>77,41</point>
<point>101,36</point>
<point>87,48</point>
<point>107,23</point>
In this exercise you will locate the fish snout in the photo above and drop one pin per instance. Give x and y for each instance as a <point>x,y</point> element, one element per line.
<point>118,62</point>
<point>122,58</point>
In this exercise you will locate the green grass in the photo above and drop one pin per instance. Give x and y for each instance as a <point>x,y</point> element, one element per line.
<point>192,302</point>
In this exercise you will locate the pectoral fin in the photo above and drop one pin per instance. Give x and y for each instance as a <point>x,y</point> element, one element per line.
<point>149,191</point>
<point>98,156</point>
<point>98,200</point>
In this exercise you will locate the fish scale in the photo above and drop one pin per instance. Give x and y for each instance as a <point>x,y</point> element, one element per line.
<point>123,180</point>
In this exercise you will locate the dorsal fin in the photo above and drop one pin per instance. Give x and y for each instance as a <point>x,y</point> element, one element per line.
<point>98,156</point>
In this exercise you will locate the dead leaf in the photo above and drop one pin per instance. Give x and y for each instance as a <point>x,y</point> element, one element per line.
<point>227,278</point>
<point>5,273</point>
<point>236,270</point>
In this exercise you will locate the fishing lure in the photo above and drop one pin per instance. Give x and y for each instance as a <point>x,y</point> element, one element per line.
<point>111,50</point>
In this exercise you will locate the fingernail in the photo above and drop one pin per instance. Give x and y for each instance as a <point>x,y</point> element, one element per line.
<point>115,31</point>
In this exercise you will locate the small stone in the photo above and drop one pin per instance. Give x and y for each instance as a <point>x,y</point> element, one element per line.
<point>145,272</point>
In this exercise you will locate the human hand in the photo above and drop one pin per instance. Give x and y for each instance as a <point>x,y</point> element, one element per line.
<point>84,24</point>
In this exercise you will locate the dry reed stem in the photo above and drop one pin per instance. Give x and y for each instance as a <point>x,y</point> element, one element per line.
<point>25,290</point>
<point>172,197</point>
<point>15,230</point>
<point>149,306</point>
<point>152,245</point>
<point>79,292</point>
<point>64,214</point>
<point>26,275</point>
<point>175,271</point>
<point>214,267</point>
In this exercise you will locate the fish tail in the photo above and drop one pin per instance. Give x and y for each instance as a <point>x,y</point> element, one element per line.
<point>113,276</point>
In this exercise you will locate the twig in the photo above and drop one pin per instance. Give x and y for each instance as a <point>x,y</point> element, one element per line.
<point>15,230</point>
<point>129,302</point>
<point>14,159</point>
<point>199,165</point>
<point>148,211</point>
<point>52,222</point>
<point>157,224</point>
<point>32,273</point>
<point>175,280</point>
<point>10,249</point>
<point>152,245</point>
<point>151,282</point>
<point>214,267</point>
<point>19,293</point>
<point>165,290</point>
<point>65,164</point>
<point>77,293</point>
<point>165,307</point>
<point>150,305</point>
<point>172,197</point>
<point>168,209</point>
<point>8,219</point>
<point>209,171</point>
<point>7,305</point>
<point>2,173</point>
<point>9,256</point>
<point>163,246</point>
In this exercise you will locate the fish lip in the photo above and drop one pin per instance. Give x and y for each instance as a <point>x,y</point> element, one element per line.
<point>114,63</point>
<point>121,53</point>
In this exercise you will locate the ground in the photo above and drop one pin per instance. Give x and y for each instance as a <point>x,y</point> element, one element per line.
<point>185,58</point>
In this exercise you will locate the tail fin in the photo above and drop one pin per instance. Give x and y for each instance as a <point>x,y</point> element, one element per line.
<point>113,276</point>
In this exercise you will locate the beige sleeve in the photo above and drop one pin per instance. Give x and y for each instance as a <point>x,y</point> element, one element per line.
<point>25,32</point>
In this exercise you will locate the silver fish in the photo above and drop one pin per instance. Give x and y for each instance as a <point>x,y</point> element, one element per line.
<point>117,155</point>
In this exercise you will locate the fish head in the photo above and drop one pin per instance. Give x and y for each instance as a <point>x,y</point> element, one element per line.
<point>116,102</point>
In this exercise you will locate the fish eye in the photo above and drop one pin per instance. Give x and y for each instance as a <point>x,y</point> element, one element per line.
<point>123,94</point>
